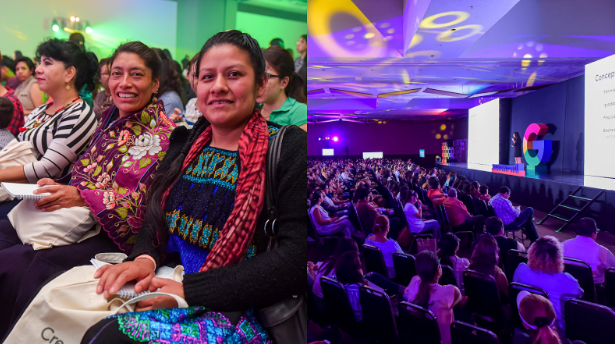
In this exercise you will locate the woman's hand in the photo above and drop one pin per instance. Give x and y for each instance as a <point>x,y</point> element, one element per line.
<point>162,285</point>
<point>113,277</point>
<point>62,196</point>
<point>175,116</point>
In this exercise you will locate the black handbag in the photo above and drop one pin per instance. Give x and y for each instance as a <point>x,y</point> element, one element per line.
<point>286,321</point>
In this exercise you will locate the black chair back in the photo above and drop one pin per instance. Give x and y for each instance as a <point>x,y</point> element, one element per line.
<point>467,201</point>
<point>515,257</point>
<point>312,310</point>
<point>589,322</point>
<point>609,280</point>
<point>463,333</point>
<point>513,290</point>
<point>446,224</point>
<point>480,206</point>
<point>378,315</point>
<point>417,325</point>
<point>374,261</point>
<point>325,244</point>
<point>354,218</point>
<point>448,276</point>
<point>405,268</point>
<point>483,294</point>
<point>337,303</point>
<point>583,273</point>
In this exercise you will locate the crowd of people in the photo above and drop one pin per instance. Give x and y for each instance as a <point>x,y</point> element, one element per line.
<point>163,167</point>
<point>387,202</point>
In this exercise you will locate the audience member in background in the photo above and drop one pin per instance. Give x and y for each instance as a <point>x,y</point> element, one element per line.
<point>450,179</point>
<point>103,99</point>
<point>78,39</point>
<point>170,89</point>
<point>366,212</point>
<point>435,194</point>
<point>414,215</point>
<point>276,42</point>
<point>425,291</point>
<point>101,172</point>
<point>585,248</point>
<point>538,318</point>
<point>332,207</point>
<point>7,73</point>
<point>387,246</point>
<point>483,191</point>
<point>28,92</point>
<point>485,259</point>
<point>350,274</point>
<point>302,50</point>
<point>448,247</point>
<point>512,216</point>
<point>495,227</point>
<point>545,269</point>
<point>18,117</point>
<point>17,55</point>
<point>192,113</point>
<point>284,101</point>
<point>474,186</point>
<point>326,225</point>
<point>327,268</point>
<point>459,216</point>
<point>7,109</point>
<point>59,131</point>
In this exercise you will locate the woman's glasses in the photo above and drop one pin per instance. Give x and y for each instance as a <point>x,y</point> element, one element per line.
<point>272,76</point>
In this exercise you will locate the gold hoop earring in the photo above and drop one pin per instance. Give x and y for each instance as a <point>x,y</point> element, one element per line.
<point>68,87</point>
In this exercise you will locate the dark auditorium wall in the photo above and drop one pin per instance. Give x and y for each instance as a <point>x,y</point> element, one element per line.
<point>562,107</point>
<point>393,138</point>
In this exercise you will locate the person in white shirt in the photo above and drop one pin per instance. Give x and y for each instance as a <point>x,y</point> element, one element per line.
<point>387,246</point>
<point>585,248</point>
<point>414,215</point>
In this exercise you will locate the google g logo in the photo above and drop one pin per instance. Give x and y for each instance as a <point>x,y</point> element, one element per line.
<point>536,152</point>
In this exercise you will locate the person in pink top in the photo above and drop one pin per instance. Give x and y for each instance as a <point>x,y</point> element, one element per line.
<point>425,291</point>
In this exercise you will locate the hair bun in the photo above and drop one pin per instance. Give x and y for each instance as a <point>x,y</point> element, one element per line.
<point>541,322</point>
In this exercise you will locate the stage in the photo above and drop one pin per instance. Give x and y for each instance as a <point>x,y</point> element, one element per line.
<point>544,191</point>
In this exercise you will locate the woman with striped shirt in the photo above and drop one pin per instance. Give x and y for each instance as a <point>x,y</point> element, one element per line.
<point>59,131</point>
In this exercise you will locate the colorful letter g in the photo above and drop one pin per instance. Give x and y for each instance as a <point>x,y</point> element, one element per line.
<point>536,152</point>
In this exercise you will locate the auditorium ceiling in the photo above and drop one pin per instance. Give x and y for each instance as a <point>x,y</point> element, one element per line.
<point>411,59</point>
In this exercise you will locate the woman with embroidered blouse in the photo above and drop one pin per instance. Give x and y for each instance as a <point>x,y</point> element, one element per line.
<point>205,211</point>
<point>111,179</point>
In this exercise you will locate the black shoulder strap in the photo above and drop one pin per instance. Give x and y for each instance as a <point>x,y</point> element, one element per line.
<point>273,155</point>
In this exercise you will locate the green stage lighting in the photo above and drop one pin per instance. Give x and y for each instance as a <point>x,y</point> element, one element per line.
<point>54,26</point>
<point>88,28</point>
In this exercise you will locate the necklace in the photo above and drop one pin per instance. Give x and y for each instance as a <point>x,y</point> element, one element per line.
<point>39,121</point>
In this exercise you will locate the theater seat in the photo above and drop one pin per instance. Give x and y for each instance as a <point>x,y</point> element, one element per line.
<point>417,325</point>
<point>583,273</point>
<point>463,333</point>
<point>374,261</point>
<point>513,290</point>
<point>589,322</point>
<point>405,268</point>
<point>378,315</point>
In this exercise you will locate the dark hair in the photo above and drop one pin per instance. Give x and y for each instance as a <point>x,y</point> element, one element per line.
<point>304,37</point>
<point>494,225</point>
<point>8,63</point>
<point>148,55</point>
<point>77,38</point>
<point>362,192</point>
<point>28,63</point>
<point>316,197</point>
<point>448,245</point>
<point>483,189</point>
<point>71,55</point>
<point>167,53</point>
<point>103,62</point>
<point>586,227</point>
<point>486,255</point>
<point>347,269</point>
<point>504,190</point>
<point>277,42</point>
<point>434,183</point>
<point>343,246</point>
<point>169,78</point>
<point>7,111</point>
<point>18,54</point>
<point>155,214</point>
<point>517,136</point>
<point>426,265</point>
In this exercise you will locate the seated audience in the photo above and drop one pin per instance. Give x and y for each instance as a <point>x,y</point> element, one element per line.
<point>113,162</point>
<point>545,269</point>
<point>17,120</point>
<point>386,246</point>
<point>473,191</point>
<point>585,248</point>
<point>326,225</point>
<point>28,91</point>
<point>192,113</point>
<point>448,247</point>
<point>485,259</point>
<point>495,228</point>
<point>414,215</point>
<point>103,99</point>
<point>7,110</point>
<point>170,88</point>
<point>459,216</point>
<point>7,73</point>
<point>450,179</point>
<point>366,212</point>
<point>284,100</point>
<point>425,291</point>
<point>435,194</point>
<point>483,191</point>
<point>512,216</point>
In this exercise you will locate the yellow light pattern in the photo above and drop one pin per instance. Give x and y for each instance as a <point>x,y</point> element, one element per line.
<point>445,137</point>
<point>416,39</point>
<point>526,63</point>
<point>445,36</point>
<point>428,23</point>
<point>438,136</point>
<point>443,127</point>
<point>531,80</point>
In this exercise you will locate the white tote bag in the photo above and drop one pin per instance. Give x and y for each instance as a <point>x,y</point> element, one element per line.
<point>16,154</point>
<point>55,228</point>
<point>68,306</point>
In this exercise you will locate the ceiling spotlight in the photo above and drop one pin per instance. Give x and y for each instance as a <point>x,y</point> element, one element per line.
<point>72,18</point>
<point>54,25</point>
<point>77,19</point>
<point>88,28</point>
<point>335,139</point>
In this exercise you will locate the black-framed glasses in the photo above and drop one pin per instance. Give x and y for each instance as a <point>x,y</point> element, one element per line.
<point>272,76</point>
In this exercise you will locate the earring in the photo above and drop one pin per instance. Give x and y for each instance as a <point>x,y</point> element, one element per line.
<point>68,87</point>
